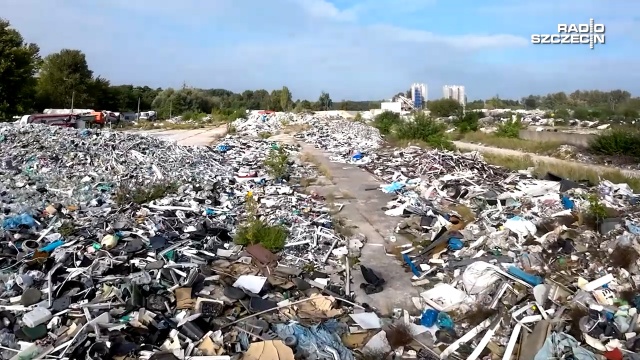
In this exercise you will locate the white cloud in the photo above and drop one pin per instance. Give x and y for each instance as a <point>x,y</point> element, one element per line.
<point>325,9</point>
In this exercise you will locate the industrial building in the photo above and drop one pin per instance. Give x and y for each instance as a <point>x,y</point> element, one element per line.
<point>419,95</point>
<point>401,103</point>
<point>455,92</point>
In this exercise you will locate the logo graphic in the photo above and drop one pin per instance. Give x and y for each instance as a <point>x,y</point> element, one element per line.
<point>591,34</point>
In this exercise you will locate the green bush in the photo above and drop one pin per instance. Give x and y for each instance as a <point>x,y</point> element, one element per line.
<point>629,114</point>
<point>228,115</point>
<point>386,121</point>
<point>277,162</point>
<point>444,107</point>
<point>582,114</point>
<point>509,129</point>
<point>617,142</point>
<point>193,115</point>
<point>256,231</point>
<point>425,129</point>
<point>562,114</point>
<point>468,122</point>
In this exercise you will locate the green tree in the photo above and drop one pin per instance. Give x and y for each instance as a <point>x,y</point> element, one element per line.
<point>562,114</point>
<point>306,105</point>
<point>178,102</point>
<point>19,63</point>
<point>530,102</point>
<point>444,107</point>
<point>285,98</point>
<point>324,101</point>
<point>475,105</point>
<point>65,77</point>
<point>582,113</point>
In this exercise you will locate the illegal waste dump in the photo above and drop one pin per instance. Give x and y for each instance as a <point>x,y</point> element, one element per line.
<point>124,246</point>
<point>509,266</point>
<point>128,247</point>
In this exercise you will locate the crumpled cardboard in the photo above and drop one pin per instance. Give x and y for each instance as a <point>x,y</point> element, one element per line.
<point>269,350</point>
<point>319,307</point>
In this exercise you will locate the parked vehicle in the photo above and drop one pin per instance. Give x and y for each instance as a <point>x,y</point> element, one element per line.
<point>64,119</point>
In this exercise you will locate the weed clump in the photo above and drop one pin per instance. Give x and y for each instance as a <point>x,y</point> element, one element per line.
<point>255,231</point>
<point>510,129</point>
<point>141,195</point>
<point>277,162</point>
<point>66,229</point>
<point>265,135</point>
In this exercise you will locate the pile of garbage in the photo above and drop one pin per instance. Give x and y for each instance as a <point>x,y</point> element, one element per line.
<point>513,265</point>
<point>262,122</point>
<point>126,246</point>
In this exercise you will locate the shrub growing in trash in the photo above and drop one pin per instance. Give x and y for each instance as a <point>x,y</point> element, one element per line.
<point>277,162</point>
<point>510,129</point>
<point>425,129</point>
<point>127,194</point>
<point>255,231</point>
<point>386,121</point>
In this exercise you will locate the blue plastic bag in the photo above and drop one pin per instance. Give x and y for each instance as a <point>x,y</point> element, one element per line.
<point>15,221</point>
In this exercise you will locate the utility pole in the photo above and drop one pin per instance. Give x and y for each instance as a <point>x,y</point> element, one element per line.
<point>170,106</point>
<point>138,108</point>
<point>73,95</point>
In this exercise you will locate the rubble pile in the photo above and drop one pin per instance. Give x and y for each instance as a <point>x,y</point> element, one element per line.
<point>272,122</point>
<point>513,266</point>
<point>342,137</point>
<point>122,246</point>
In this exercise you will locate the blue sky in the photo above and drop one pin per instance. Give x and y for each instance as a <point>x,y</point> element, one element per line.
<point>354,49</point>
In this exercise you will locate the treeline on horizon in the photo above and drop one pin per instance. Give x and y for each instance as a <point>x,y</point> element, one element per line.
<point>31,83</point>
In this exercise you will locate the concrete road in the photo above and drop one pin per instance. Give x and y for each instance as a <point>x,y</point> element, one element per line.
<point>542,159</point>
<point>195,137</point>
<point>363,212</point>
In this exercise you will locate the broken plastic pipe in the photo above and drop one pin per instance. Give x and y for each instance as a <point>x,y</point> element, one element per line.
<point>465,338</point>
<point>511,345</point>
<point>326,257</point>
<point>484,341</point>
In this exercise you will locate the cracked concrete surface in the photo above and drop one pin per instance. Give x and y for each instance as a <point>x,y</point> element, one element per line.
<point>364,212</point>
